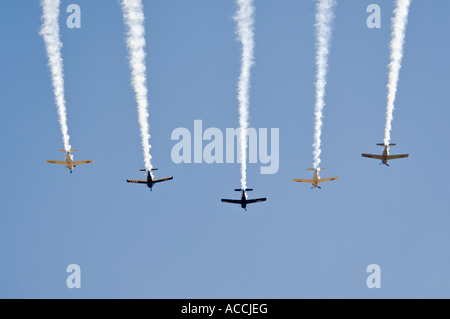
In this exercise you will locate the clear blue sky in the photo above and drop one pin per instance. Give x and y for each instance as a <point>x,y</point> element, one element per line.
<point>180,241</point>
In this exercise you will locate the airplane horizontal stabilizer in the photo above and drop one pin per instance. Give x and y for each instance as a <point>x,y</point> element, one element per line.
<point>69,151</point>
<point>382,144</point>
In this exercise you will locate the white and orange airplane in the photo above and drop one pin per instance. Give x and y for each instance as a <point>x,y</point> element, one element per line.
<point>385,157</point>
<point>69,162</point>
<point>316,180</point>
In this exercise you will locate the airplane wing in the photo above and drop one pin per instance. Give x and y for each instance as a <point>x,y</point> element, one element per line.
<point>329,179</point>
<point>256,200</point>
<point>232,201</point>
<point>57,162</point>
<point>136,181</point>
<point>309,181</point>
<point>391,157</point>
<point>380,157</point>
<point>162,179</point>
<point>82,162</point>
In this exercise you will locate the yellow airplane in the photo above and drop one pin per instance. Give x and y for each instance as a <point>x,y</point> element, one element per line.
<point>69,162</point>
<point>317,180</point>
<point>385,157</point>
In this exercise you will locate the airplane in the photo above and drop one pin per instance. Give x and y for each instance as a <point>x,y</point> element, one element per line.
<point>316,180</point>
<point>149,181</point>
<point>244,201</point>
<point>69,162</point>
<point>385,157</point>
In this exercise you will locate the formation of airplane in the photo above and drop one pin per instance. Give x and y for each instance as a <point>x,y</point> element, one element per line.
<point>316,180</point>
<point>244,199</point>
<point>69,162</point>
<point>385,157</point>
<point>150,182</point>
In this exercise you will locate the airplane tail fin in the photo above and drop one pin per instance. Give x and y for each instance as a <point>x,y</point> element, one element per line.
<point>382,144</point>
<point>69,151</point>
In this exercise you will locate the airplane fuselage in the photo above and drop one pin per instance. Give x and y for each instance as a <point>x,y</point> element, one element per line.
<point>316,179</point>
<point>385,155</point>
<point>69,161</point>
<point>244,200</point>
<point>149,180</point>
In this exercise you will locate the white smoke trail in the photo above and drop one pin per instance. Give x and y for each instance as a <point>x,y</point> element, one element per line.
<point>245,25</point>
<point>133,14</point>
<point>399,22</point>
<point>50,34</point>
<point>324,19</point>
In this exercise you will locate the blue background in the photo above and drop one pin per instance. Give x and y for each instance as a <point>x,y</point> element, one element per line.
<point>180,241</point>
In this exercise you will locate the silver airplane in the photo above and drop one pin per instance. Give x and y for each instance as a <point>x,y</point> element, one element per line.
<point>385,157</point>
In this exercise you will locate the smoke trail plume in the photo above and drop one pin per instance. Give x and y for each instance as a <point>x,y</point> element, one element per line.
<point>50,34</point>
<point>133,14</point>
<point>324,19</point>
<point>399,22</point>
<point>245,21</point>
